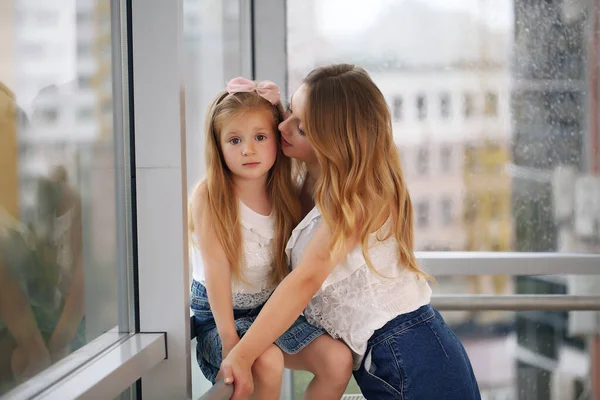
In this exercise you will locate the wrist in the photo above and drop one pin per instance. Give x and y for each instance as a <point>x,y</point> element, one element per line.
<point>240,352</point>
<point>230,337</point>
<point>33,344</point>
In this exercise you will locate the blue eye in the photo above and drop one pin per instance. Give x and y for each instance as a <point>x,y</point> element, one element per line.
<point>301,132</point>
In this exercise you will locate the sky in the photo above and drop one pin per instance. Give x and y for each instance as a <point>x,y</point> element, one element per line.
<point>343,17</point>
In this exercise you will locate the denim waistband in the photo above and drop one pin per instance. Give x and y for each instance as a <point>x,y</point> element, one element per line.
<point>401,323</point>
<point>198,291</point>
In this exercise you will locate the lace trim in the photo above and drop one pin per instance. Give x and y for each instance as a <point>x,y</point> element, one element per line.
<point>352,309</point>
<point>243,301</point>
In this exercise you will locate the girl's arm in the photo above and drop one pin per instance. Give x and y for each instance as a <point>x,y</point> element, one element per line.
<point>74,308</point>
<point>281,310</point>
<point>17,315</point>
<point>217,271</point>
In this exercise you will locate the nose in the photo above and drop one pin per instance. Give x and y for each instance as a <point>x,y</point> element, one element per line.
<point>248,149</point>
<point>284,127</point>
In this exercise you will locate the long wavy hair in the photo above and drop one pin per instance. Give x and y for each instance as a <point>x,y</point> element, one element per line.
<point>361,185</point>
<point>217,188</point>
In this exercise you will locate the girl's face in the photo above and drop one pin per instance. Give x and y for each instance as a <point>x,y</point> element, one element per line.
<point>249,144</point>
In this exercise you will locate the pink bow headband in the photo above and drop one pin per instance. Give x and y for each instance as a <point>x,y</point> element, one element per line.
<point>265,89</point>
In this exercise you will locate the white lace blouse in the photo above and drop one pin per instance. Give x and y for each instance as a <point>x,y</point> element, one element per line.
<point>353,302</point>
<point>258,232</point>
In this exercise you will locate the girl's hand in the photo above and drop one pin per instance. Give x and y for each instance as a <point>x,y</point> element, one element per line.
<point>238,371</point>
<point>26,363</point>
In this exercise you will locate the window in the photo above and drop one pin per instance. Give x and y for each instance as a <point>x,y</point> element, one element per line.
<point>490,107</point>
<point>423,161</point>
<point>84,81</point>
<point>397,109</point>
<point>445,105</point>
<point>468,105</point>
<point>470,208</point>
<point>65,238</point>
<point>46,115</point>
<point>509,71</point>
<point>446,158</point>
<point>421,107</point>
<point>86,113</point>
<point>83,17</point>
<point>215,30</point>
<point>84,49</point>
<point>495,205</point>
<point>446,211</point>
<point>422,214</point>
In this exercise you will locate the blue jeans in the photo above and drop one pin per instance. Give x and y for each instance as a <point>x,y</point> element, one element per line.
<point>416,356</point>
<point>209,346</point>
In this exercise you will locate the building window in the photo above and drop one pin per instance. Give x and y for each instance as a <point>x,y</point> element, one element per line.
<point>46,115</point>
<point>470,208</point>
<point>495,205</point>
<point>397,109</point>
<point>468,105</point>
<point>423,161</point>
<point>445,105</point>
<point>84,49</point>
<point>107,106</point>
<point>446,158</point>
<point>421,107</point>
<point>446,208</point>
<point>471,162</point>
<point>84,81</point>
<point>423,214</point>
<point>85,113</point>
<point>83,17</point>
<point>490,107</point>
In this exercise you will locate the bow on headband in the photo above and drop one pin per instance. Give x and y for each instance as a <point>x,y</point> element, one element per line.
<point>265,89</point>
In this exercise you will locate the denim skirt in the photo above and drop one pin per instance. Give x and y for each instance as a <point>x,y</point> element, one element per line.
<point>209,347</point>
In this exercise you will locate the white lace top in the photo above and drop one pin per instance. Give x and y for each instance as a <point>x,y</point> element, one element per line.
<point>353,302</point>
<point>258,232</point>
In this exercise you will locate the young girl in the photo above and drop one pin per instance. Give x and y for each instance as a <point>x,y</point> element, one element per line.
<point>354,269</point>
<point>241,216</point>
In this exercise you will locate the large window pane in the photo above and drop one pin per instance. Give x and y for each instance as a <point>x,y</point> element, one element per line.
<point>494,108</point>
<point>61,184</point>
<point>214,40</point>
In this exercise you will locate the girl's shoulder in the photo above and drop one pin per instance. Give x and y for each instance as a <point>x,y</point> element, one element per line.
<point>197,204</point>
<point>199,194</point>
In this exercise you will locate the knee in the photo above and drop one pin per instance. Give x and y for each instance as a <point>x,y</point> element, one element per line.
<point>336,365</point>
<point>268,365</point>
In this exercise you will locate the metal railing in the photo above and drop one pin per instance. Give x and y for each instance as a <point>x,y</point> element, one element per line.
<point>524,302</point>
<point>514,264</point>
<point>219,391</point>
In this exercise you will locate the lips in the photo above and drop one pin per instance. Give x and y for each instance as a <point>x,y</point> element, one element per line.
<point>284,142</point>
<point>251,164</point>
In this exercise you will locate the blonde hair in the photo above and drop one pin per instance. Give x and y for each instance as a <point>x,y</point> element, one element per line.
<point>361,184</point>
<point>217,191</point>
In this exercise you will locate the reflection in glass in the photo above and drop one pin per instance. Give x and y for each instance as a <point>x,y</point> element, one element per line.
<point>58,259</point>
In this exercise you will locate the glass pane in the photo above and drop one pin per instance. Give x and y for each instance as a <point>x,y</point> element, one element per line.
<point>60,188</point>
<point>489,110</point>
<point>128,394</point>
<point>491,113</point>
<point>213,50</point>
